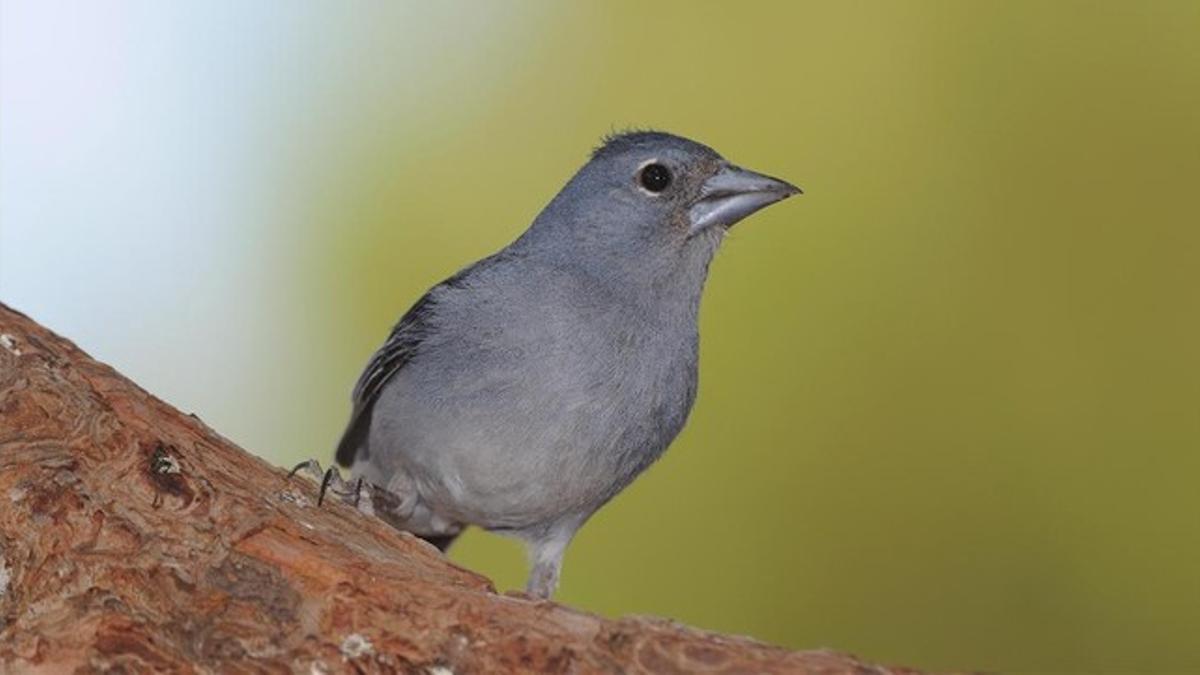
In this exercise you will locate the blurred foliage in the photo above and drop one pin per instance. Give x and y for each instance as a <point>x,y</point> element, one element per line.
<point>950,400</point>
<point>949,411</point>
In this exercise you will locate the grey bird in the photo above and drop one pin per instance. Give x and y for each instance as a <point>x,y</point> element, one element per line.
<point>524,392</point>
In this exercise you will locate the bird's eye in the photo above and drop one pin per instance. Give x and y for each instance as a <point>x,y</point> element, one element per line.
<point>655,177</point>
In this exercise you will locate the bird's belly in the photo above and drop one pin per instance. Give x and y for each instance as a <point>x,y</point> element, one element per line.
<point>527,452</point>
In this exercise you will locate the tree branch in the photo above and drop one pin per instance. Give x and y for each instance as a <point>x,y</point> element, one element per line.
<point>135,538</point>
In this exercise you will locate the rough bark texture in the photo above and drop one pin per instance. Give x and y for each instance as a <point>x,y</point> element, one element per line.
<point>133,538</point>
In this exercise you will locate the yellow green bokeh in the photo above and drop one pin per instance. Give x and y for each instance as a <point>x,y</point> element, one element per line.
<point>949,411</point>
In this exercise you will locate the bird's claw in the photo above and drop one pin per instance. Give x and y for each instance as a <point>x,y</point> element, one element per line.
<point>310,467</point>
<point>331,480</point>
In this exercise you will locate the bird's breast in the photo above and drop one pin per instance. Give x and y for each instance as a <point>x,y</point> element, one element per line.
<point>512,417</point>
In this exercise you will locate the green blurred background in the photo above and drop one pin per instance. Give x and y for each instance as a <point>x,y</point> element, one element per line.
<point>949,412</point>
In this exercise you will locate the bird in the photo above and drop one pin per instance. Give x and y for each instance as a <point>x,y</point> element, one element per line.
<point>524,392</point>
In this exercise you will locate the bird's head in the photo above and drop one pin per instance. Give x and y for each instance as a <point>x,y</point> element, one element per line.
<point>646,197</point>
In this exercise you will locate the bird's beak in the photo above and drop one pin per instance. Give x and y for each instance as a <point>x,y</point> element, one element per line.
<point>734,193</point>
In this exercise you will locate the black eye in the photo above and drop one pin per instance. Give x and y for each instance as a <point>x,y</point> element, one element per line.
<point>655,177</point>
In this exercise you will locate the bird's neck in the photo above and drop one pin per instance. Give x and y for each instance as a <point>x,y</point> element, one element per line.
<point>666,282</point>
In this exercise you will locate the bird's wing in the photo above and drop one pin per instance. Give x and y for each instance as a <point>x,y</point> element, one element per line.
<point>397,351</point>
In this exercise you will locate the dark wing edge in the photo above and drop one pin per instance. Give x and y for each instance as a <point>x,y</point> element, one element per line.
<point>397,351</point>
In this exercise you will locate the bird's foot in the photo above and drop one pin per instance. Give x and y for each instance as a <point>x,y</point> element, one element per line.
<point>357,494</point>
<point>543,580</point>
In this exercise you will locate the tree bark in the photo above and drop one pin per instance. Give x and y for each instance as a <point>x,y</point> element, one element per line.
<point>133,538</point>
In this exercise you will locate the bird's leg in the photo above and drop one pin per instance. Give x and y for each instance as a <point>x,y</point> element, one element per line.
<point>547,557</point>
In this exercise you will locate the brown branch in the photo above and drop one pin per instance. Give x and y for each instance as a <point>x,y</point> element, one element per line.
<point>134,538</point>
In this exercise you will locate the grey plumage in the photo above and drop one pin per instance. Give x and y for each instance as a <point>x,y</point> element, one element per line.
<point>527,390</point>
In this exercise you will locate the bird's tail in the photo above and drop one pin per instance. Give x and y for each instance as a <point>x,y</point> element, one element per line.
<point>441,541</point>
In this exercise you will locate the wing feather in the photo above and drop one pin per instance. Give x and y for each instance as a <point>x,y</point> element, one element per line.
<point>402,345</point>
